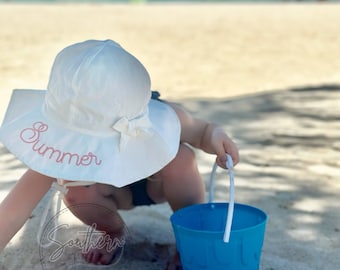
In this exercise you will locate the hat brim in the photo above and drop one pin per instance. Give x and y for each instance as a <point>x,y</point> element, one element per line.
<point>71,155</point>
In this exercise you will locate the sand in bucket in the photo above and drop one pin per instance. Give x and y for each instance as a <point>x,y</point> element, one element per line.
<point>203,240</point>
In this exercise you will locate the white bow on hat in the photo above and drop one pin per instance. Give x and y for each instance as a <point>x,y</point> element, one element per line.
<point>135,127</point>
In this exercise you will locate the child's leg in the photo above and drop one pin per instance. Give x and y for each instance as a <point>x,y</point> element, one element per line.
<point>180,182</point>
<point>101,211</point>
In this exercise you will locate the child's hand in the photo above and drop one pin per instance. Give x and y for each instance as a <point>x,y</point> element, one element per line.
<point>222,145</point>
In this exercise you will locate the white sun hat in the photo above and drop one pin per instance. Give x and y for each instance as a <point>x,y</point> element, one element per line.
<point>95,122</point>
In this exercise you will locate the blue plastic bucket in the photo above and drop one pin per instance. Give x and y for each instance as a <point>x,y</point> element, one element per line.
<point>199,233</point>
<point>219,236</point>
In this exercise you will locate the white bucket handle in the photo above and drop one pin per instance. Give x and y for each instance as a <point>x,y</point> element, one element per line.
<point>230,167</point>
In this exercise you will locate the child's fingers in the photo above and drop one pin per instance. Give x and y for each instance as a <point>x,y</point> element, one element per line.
<point>221,161</point>
<point>230,149</point>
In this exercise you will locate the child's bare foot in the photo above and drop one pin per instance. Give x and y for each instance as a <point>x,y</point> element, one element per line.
<point>103,257</point>
<point>175,263</point>
<point>106,250</point>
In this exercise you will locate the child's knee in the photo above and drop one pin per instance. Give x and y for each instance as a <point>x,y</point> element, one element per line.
<point>185,159</point>
<point>183,163</point>
<point>78,195</point>
<point>187,154</point>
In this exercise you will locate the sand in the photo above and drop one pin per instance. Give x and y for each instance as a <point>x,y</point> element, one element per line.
<point>269,73</point>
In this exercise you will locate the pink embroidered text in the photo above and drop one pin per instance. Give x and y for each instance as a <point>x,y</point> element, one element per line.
<point>32,136</point>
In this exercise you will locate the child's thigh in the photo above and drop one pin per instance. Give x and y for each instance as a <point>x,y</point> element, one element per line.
<point>183,166</point>
<point>101,194</point>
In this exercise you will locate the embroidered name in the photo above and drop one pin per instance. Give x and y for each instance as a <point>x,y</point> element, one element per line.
<point>33,136</point>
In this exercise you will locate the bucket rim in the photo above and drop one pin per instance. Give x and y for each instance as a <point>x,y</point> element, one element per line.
<point>179,211</point>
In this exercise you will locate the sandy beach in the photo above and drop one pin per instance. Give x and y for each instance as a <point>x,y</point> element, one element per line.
<point>268,73</point>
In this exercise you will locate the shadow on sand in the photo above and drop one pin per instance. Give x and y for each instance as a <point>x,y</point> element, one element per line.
<point>290,167</point>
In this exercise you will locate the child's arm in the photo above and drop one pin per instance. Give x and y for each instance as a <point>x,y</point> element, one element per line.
<point>207,136</point>
<point>18,205</point>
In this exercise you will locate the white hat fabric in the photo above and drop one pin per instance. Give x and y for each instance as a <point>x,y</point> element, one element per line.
<point>96,121</point>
